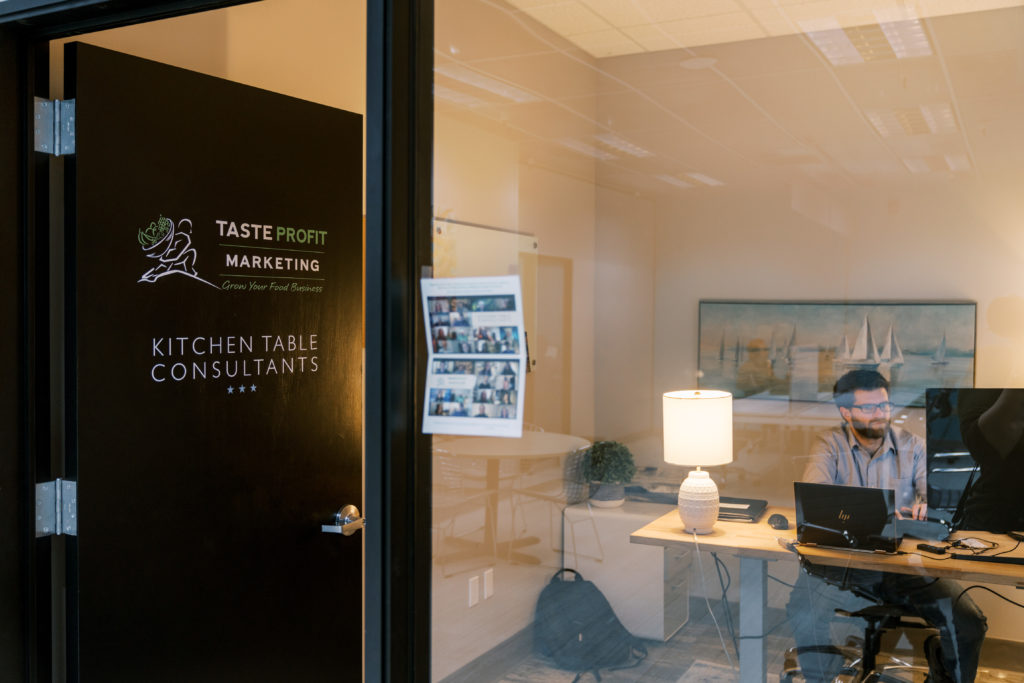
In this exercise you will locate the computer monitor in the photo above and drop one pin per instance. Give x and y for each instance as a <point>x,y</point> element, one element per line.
<point>980,490</point>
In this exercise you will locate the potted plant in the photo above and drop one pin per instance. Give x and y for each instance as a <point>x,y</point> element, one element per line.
<point>608,465</point>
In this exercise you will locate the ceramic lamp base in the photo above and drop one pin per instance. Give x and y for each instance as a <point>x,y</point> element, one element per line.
<point>698,503</point>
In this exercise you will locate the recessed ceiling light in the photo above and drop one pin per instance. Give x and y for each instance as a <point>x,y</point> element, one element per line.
<point>451,95</point>
<point>958,162</point>
<point>939,117</point>
<point>672,180</point>
<point>584,148</point>
<point>707,180</point>
<point>483,82</point>
<point>828,35</point>
<point>617,143</point>
<point>917,165</point>
<point>907,38</point>
<point>696,63</point>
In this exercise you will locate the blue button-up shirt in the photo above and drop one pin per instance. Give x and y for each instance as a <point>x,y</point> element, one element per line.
<point>900,464</point>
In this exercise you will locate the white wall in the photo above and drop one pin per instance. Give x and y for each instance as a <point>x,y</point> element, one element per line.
<point>624,295</point>
<point>472,186</point>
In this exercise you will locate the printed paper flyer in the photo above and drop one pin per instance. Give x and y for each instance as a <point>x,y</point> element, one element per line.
<point>477,356</point>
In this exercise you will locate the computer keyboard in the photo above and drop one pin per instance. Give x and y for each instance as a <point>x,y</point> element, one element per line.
<point>923,529</point>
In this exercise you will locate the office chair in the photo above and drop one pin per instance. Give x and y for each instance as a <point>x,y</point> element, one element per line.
<point>863,659</point>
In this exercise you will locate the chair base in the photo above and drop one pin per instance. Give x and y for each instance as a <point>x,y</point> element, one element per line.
<point>888,668</point>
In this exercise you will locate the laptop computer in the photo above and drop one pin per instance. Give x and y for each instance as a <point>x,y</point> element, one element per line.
<point>847,517</point>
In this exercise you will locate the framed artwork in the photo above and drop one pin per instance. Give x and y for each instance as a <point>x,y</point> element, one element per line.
<point>797,349</point>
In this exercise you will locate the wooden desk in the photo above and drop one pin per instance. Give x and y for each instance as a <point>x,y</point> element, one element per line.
<point>757,544</point>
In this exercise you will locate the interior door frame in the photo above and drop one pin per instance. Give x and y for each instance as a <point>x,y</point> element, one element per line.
<point>396,479</point>
<point>399,159</point>
<point>15,416</point>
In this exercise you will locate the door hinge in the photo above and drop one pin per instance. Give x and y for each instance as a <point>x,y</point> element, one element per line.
<point>54,123</point>
<point>57,508</point>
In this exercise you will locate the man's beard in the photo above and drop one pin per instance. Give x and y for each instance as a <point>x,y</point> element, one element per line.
<point>867,431</point>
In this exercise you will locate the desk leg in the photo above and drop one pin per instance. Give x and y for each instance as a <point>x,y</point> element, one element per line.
<point>753,594</point>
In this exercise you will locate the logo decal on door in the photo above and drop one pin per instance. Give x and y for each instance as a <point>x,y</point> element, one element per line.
<point>172,246</point>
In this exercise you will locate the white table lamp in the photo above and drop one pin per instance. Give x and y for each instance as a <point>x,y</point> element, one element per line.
<point>698,433</point>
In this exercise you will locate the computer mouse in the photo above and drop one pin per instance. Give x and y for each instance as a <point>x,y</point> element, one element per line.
<point>778,521</point>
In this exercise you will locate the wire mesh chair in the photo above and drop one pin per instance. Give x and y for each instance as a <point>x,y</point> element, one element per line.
<point>457,499</point>
<point>568,488</point>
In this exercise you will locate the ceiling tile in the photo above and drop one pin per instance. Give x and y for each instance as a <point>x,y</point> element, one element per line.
<point>725,28</point>
<point>769,56</point>
<point>671,10</point>
<point>773,20</point>
<point>619,13</point>
<point>650,37</point>
<point>569,18</point>
<point>608,43</point>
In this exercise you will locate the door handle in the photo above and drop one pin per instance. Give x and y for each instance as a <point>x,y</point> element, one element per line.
<point>346,522</point>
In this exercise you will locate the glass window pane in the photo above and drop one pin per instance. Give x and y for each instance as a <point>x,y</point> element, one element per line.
<point>745,196</point>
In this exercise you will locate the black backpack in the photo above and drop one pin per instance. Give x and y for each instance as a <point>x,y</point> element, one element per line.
<point>577,628</point>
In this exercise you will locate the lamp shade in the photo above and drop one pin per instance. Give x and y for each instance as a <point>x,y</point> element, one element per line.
<point>698,427</point>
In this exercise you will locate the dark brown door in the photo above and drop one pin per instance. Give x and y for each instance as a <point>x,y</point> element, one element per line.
<point>214,236</point>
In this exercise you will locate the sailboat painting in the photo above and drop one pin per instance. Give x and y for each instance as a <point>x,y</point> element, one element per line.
<point>797,349</point>
<point>891,352</point>
<point>864,354</point>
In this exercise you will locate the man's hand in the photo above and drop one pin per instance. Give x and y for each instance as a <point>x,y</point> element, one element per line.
<point>918,511</point>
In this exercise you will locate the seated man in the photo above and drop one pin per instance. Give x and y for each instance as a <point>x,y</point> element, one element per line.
<point>866,450</point>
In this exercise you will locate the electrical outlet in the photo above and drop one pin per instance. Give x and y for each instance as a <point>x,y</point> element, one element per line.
<point>488,582</point>
<point>474,590</point>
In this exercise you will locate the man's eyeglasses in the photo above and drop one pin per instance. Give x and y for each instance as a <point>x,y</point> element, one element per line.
<point>871,408</point>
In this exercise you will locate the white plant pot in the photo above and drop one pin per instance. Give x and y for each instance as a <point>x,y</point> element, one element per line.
<point>608,495</point>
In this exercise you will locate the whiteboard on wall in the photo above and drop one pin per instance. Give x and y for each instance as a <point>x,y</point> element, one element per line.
<point>472,250</point>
